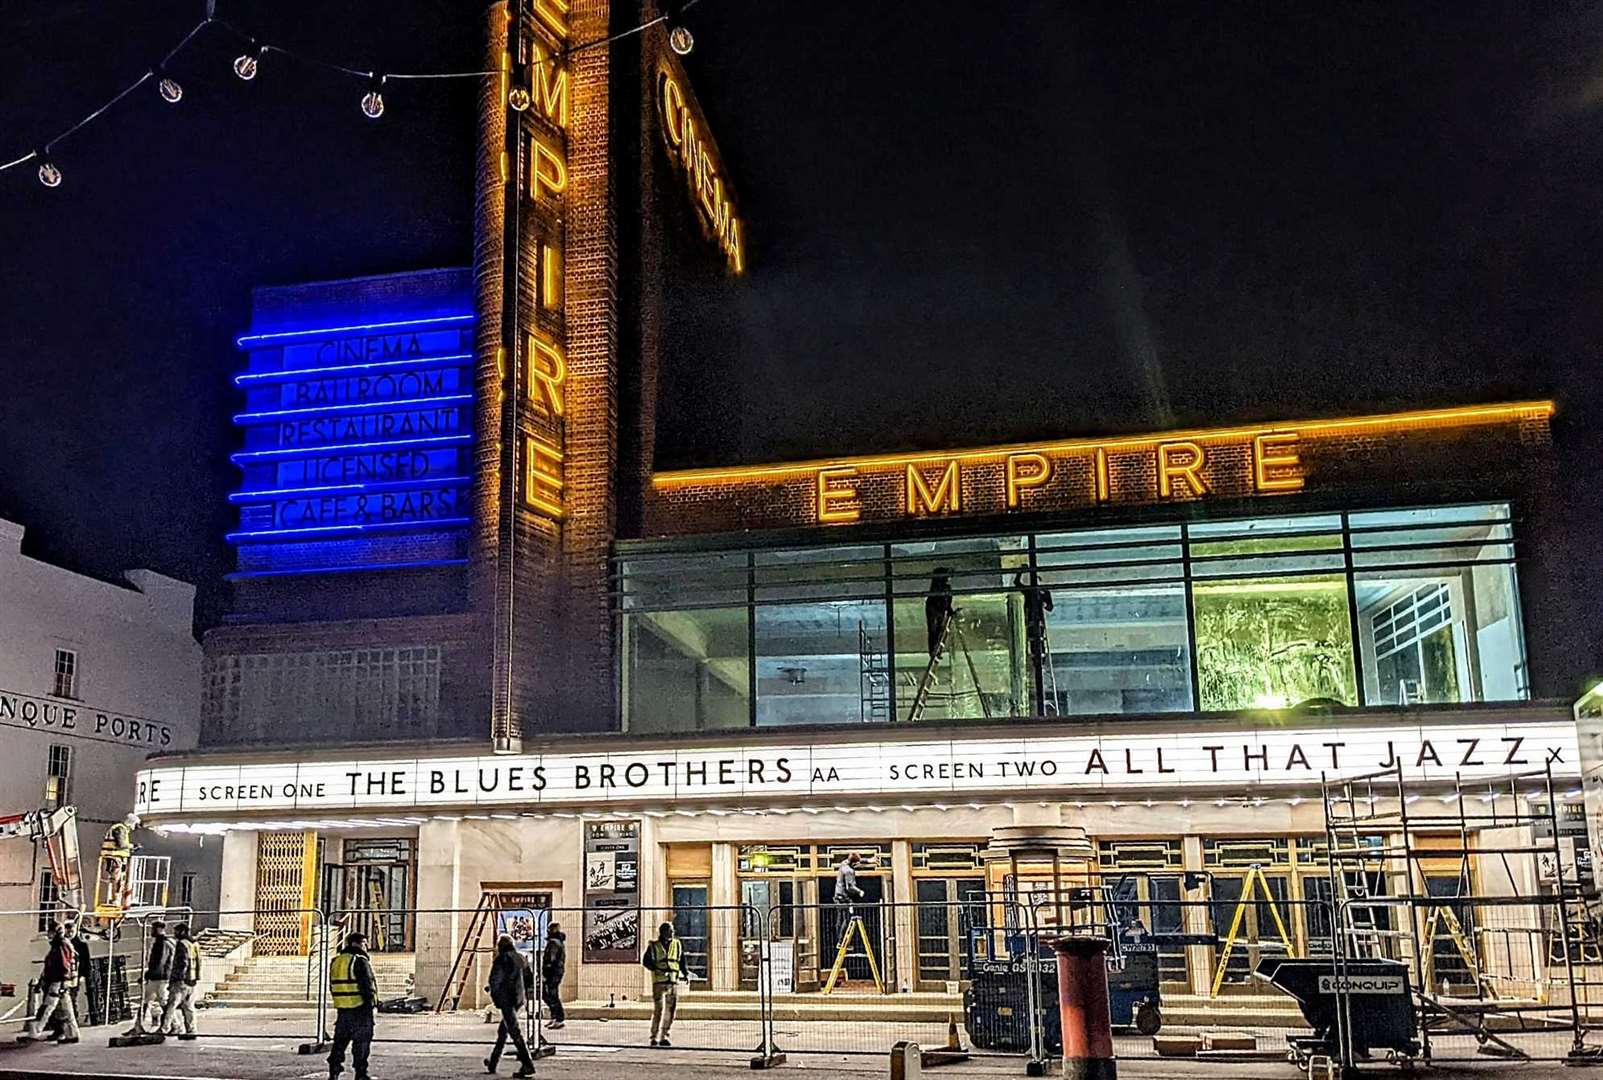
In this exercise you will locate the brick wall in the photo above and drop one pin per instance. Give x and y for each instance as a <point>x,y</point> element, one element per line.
<point>540,584</point>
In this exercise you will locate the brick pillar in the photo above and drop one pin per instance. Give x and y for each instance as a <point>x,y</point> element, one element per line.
<point>592,423</point>
<point>537,567</point>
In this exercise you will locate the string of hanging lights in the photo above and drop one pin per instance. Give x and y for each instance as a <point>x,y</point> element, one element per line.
<point>248,64</point>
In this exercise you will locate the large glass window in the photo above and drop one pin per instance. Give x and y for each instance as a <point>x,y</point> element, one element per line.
<point>1116,634</point>
<point>687,670</point>
<point>1438,609</point>
<point>1273,625</point>
<point>1381,608</point>
<point>822,649</point>
<point>960,636</point>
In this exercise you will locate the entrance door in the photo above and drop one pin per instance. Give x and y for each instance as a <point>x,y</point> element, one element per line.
<point>775,914</point>
<point>940,927</point>
<point>1153,902</point>
<point>833,922</point>
<point>1257,934</point>
<point>690,925</point>
<point>370,890</point>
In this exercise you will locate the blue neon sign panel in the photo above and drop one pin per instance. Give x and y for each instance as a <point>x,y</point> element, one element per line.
<point>358,440</point>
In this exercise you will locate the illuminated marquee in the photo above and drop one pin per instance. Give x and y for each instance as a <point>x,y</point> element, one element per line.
<point>1174,466</point>
<point>356,445</point>
<point>692,150</point>
<point>1240,757</point>
<point>542,106</point>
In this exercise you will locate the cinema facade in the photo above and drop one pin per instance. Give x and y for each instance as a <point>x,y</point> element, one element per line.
<point>479,641</point>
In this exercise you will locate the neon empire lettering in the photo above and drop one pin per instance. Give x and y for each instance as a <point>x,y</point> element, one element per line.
<point>1183,470</point>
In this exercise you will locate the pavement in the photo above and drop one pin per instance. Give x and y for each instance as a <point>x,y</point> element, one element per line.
<point>251,1044</point>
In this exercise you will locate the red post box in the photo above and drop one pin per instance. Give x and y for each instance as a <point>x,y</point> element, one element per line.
<point>1083,1008</point>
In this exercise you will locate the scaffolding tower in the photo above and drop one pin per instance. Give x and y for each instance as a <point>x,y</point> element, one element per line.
<point>1410,876</point>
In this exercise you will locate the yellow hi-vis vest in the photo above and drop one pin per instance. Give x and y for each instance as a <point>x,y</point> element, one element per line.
<point>668,961</point>
<point>119,840</point>
<point>342,982</point>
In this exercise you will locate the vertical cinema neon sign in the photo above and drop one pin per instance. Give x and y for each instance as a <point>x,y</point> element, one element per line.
<point>546,105</point>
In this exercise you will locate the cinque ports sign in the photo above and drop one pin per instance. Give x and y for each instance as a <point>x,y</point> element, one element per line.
<point>1247,760</point>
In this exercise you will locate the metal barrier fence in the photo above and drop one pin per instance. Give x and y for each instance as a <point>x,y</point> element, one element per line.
<point>1501,978</point>
<point>24,933</point>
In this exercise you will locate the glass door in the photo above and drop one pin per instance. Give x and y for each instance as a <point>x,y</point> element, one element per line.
<point>1257,933</point>
<point>940,927</point>
<point>690,925</point>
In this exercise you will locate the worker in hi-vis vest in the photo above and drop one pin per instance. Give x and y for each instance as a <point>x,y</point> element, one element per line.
<point>119,840</point>
<point>665,959</point>
<point>116,850</point>
<point>350,983</point>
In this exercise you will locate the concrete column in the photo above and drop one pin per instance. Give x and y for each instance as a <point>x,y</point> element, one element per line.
<point>1199,958</point>
<point>237,888</point>
<point>905,915</point>
<point>440,885</point>
<point>723,929</point>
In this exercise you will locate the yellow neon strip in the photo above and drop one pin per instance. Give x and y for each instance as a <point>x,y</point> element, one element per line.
<point>1461,415</point>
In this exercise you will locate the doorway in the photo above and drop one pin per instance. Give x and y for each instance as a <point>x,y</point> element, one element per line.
<point>834,920</point>
<point>370,889</point>
<point>1258,932</point>
<point>941,921</point>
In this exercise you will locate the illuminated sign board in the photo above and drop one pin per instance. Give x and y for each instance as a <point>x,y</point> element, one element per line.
<point>1244,759</point>
<point>357,448</point>
<point>542,107</point>
<point>691,149</point>
<point>1174,466</point>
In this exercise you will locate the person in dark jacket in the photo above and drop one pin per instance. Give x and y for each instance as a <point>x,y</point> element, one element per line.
<point>938,609</point>
<point>158,975</point>
<point>56,983</point>
<point>553,966</point>
<point>86,973</point>
<point>181,990</point>
<point>509,991</point>
<point>350,983</point>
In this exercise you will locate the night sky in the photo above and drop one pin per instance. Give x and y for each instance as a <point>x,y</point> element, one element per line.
<point>965,224</point>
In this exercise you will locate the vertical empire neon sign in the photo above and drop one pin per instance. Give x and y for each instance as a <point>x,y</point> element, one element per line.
<point>543,98</point>
<point>357,436</point>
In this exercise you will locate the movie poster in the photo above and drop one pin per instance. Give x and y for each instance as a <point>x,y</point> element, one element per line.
<point>524,917</point>
<point>612,892</point>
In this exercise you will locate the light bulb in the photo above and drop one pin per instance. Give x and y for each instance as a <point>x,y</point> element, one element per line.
<point>171,92</point>
<point>49,175</point>
<point>373,100</point>
<point>245,65</point>
<point>681,41</point>
<point>518,100</point>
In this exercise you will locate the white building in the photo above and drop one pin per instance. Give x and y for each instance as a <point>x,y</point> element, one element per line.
<point>94,676</point>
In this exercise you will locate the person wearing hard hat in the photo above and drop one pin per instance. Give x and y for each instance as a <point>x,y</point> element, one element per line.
<point>119,840</point>
<point>116,849</point>
<point>350,982</point>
